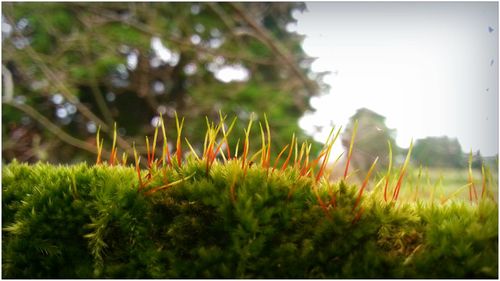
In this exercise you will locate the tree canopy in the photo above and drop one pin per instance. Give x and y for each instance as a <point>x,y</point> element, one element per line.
<point>439,152</point>
<point>69,68</point>
<point>370,140</point>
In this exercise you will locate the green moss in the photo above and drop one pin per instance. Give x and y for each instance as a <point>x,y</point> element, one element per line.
<point>90,221</point>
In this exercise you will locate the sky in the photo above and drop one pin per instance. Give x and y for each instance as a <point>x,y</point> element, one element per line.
<point>431,68</point>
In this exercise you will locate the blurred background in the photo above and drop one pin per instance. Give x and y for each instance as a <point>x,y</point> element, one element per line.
<point>68,68</point>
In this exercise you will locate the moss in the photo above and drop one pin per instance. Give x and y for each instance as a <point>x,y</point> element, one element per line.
<point>90,221</point>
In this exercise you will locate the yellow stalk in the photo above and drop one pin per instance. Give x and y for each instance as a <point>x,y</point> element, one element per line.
<point>124,159</point>
<point>205,144</point>
<point>472,187</point>
<point>330,170</point>
<point>305,167</point>
<point>460,189</point>
<point>279,156</point>
<point>99,146</point>
<point>113,147</point>
<point>483,176</point>
<point>211,153</point>
<point>350,148</point>
<point>489,180</point>
<point>263,149</point>
<point>179,132</point>
<point>225,135</point>
<point>217,150</point>
<point>166,151</point>
<point>236,150</point>
<point>102,144</point>
<point>224,158</point>
<point>169,184</point>
<point>296,154</point>
<point>252,158</point>
<point>230,127</point>
<point>207,138</point>
<point>165,144</point>
<point>427,177</point>
<point>329,136</point>
<point>402,173</point>
<point>246,144</point>
<point>268,154</point>
<point>315,162</point>
<point>153,156</point>
<point>301,154</point>
<point>328,151</point>
<point>388,175</point>
<point>148,151</point>
<point>377,185</point>
<point>192,149</point>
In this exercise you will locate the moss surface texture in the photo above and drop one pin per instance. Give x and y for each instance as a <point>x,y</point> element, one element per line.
<point>80,221</point>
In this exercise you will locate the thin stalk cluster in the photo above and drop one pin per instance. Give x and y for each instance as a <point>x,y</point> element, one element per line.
<point>216,147</point>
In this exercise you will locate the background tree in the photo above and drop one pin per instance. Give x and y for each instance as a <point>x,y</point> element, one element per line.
<point>439,152</point>
<point>71,67</point>
<point>370,141</point>
<point>477,160</point>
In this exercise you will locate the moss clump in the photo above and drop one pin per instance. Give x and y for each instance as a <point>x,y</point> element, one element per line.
<point>90,221</point>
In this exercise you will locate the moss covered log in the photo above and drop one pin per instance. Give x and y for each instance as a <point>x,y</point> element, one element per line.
<point>227,222</point>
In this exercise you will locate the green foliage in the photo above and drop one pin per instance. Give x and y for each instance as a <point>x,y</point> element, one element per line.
<point>458,234</point>
<point>83,50</point>
<point>439,152</point>
<point>91,222</point>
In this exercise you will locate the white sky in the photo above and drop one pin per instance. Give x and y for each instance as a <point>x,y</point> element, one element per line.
<point>426,66</point>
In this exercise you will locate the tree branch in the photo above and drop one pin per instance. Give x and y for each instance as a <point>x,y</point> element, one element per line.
<point>54,129</point>
<point>8,84</point>
<point>275,46</point>
<point>183,44</point>
<point>85,111</point>
<point>101,103</point>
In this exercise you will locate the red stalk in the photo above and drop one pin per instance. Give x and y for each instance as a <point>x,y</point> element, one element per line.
<point>365,182</point>
<point>398,186</point>
<point>179,153</point>
<point>278,158</point>
<point>289,154</point>
<point>385,188</point>
<point>322,204</point>
<point>358,216</point>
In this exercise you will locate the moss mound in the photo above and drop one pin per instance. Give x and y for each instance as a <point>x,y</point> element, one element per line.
<point>91,222</point>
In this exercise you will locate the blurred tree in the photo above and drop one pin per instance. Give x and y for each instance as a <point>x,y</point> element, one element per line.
<point>439,152</point>
<point>370,141</point>
<point>477,160</point>
<point>71,67</point>
<point>491,162</point>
